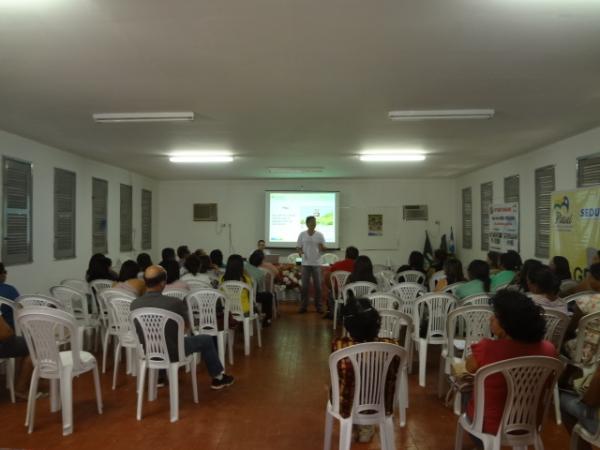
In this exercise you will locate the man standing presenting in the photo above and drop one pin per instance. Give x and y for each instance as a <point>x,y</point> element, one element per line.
<point>310,245</point>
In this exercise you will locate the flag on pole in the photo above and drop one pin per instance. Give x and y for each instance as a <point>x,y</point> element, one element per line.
<point>444,244</point>
<point>452,245</point>
<point>427,250</point>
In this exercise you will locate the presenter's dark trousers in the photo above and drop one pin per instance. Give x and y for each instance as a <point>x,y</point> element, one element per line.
<point>309,272</point>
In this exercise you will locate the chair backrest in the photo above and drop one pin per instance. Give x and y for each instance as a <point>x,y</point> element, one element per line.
<point>435,278</point>
<point>359,289</point>
<point>268,281</point>
<point>202,311</point>
<point>385,279</point>
<point>410,276</point>
<point>382,301</point>
<point>103,298</point>
<point>588,330</point>
<point>468,324</point>
<point>530,383</point>
<point>119,309</point>
<point>194,285</point>
<point>567,285</point>
<point>503,286</point>
<point>292,257</point>
<point>98,286</point>
<point>233,291</point>
<point>370,362</point>
<point>41,326</point>
<point>177,293</point>
<point>329,258</point>
<point>392,324</point>
<point>557,323</point>
<point>13,305</point>
<point>80,285</point>
<point>73,300</point>
<point>34,300</point>
<point>338,280</point>
<point>407,293</point>
<point>477,299</point>
<point>152,323</point>
<point>437,305</point>
<point>451,288</point>
<point>577,296</point>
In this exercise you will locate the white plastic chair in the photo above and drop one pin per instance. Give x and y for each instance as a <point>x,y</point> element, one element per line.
<point>435,307</point>
<point>233,291</point>
<point>194,285</point>
<point>385,279</point>
<point>177,293</point>
<point>292,257</point>
<point>567,285</point>
<point>410,276</point>
<point>75,302</point>
<point>435,279</point>
<point>108,327</point>
<point>80,285</point>
<point>557,323</point>
<point>39,326</point>
<point>530,381</point>
<point>588,325</point>
<point>451,288</point>
<point>329,258</point>
<point>574,297</point>
<point>407,293</point>
<point>10,362</point>
<point>119,309</point>
<point>465,326</point>
<point>154,355</point>
<point>337,280</point>
<point>579,432</point>
<point>96,287</point>
<point>476,300</point>
<point>371,362</point>
<point>359,289</point>
<point>202,312</point>
<point>35,300</point>
<point>382,301</point>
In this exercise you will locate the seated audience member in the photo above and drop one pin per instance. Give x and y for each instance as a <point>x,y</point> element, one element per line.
<point>363,271</point>
<point>13,346</point>
<point>234,271</point>
<point>8,292</point>
<point>416,261</point>
<point>509,265</point>
<point>362,322</point>
<point>439,258</point>
<point>261,245</point>
<point>200,252</point>
<point>263,297</point>
<point>216,258</point>
<point>182,253</point>
<point>581,406</point>
<point>128,278</point>
<point>99,269</point>
<point>453,270</point>
<point>171,267</point>
<point>196,269</point>
<point>479,280</point>
<point>155,278</point>
<point>585,284</point>
<point>345,265</point>
<point>144,261</point>
<point>493,260</point>
<point>167,254</point>
<point>543,286</point>
<point>521,278</point>
<point>559,265</point>
<point>519,328</point>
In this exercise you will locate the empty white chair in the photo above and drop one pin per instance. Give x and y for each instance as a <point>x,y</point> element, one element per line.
<point>337,280</point>
<point>75,302</point>
<point>119,309</point>
<point>557,323</point>
<point>177,293</point>
<point>39,326</point>
<point>476,300</point>
<point>435,279</point>
<point>35,300</point>
<point>451,288</point>
<point>371,363</point>
<point>410,276</point>
<point>329,258</point>
<point>385,279</point>
<point>10,362</point>
<point>154,355</point>
<point>96,287</point>
<point>292,257</point>
<point>202,311</point>
<point>108,328</point>
<point>435,307</point>
<point>407,293</point>
<point>530,381</point>
<point>382,301</point>
<point>359,289</point>
<point>80,285</point>
<point>234,291</point>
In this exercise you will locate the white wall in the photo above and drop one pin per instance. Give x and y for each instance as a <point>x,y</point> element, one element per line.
<point>241,203</point>
<point>563,155</point>
<point>45,270</point>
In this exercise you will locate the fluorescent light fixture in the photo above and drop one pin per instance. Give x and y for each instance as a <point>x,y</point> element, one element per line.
<point>184,116</point>
<point>200,157</point>
<point>287,170</point>
<point>392,157</point>
<point>442,114</point>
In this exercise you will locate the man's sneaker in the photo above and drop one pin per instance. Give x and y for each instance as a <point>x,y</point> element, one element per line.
<point>225,381</point>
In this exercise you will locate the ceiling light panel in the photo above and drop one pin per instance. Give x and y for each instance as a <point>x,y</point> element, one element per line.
<point>182,116</point>
<point>442,114</point>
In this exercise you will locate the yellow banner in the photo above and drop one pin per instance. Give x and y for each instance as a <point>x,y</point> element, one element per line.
<point>575,227</point>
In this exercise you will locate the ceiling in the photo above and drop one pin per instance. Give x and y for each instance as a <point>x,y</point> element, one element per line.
<point>299,83</point>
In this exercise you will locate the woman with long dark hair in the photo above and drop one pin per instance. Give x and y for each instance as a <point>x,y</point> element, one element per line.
<point>234,271</point>
<point>560,266</point>
<point>479,280</point>
<point>363,271</point>
<point>99,269</point>
<point>510,263</point>
<point>544,287</point>
<point>453,270</point>
<point>416,261</point>
<point>128,278</point>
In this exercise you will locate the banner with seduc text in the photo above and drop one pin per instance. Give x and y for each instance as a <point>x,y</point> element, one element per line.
<point>504,227</point>
<point>575,227</point>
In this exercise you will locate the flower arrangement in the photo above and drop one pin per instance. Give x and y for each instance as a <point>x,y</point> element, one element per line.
<point>289,276</point>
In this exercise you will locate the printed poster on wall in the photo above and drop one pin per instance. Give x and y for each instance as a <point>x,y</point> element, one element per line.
<point>504,227</point>
<point>575,227</point>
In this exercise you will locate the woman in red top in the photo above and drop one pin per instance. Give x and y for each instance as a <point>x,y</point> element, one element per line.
<point>519,327</point>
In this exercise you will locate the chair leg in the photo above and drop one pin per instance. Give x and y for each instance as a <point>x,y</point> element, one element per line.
<point>33,387</point>
<point>345,434</point>
<point>174,391</point>
<point>54,395</point>
<point>116,364</point>
<point>574,442</point>
<point>442,375</point>
<point>152,384</point>
<point>194,380</point>
<point>422,361</point>
<point>10,378</point>
<point>328,430</point>
<point>335,308</point>
<point>411,350</point>
<point>458,440</point>
<point>388,431</point>
<point>557,413</point>
<point>221,346</point>
<point>140,388</point>
<point>98,389</point>
<point>247,330</point>
<point>105,350</point>
<point>258,331</point>
<point>230,342</point>
<point>66,395</point>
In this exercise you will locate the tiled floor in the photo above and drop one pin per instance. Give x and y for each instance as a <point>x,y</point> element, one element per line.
<point>278,402</point>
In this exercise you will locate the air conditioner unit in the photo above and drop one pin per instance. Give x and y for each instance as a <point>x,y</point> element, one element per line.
<point>415,212</point>
<point>205,212</point>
